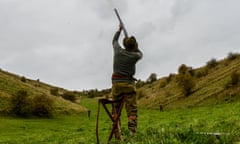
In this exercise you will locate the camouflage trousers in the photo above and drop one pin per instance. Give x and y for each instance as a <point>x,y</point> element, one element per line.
<point>128,91</point>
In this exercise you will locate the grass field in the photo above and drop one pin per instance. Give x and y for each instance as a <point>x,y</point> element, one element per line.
<point>176,126</point>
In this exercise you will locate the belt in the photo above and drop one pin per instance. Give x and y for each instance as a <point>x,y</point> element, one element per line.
<point>116,76</point>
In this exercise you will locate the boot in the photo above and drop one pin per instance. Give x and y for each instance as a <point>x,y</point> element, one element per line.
<point>132,126</point>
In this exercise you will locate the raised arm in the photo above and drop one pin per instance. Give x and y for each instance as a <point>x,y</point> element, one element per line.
<point>117,34</point>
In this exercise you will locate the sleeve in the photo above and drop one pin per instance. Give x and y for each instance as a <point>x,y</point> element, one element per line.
<point>116,37</point>
<point>139,54</point>
<point>115,43</point>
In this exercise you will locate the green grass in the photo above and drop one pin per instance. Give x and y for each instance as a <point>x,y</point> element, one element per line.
<point>153,126</point>
<point>71,129</point>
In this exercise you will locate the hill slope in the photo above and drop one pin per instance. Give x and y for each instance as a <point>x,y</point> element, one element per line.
<point>212,86</point>
<point>10,84</point>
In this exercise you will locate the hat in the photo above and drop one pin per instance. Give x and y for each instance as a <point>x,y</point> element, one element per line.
<point>130,43</point>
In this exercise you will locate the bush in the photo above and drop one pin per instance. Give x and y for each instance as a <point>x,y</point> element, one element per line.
<point>232,56</point>
<point>182,69</point>
<point>235,78</point>
<point>92,93</point>
<point>69,96</point>
<point>23,79</point>
<point>186,83</point>
<point>201,73</point>
<point>212,63</point>
<point>170,77</point>
<point>139,84</point>
<point>163,83</point>
<point>152,78</point>
<point>185,80</point>
<point>21,104</point>
<point>42,106</point>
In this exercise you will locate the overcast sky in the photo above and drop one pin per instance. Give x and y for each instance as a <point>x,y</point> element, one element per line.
<point>67,43</point>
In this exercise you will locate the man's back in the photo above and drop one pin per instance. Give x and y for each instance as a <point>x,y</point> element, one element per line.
<point>125,61</point>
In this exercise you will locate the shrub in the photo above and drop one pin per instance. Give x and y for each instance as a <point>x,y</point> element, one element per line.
<point>182,69</point>
<point>212,63</point>
<point>185,80</point>
<point>21,104</point>
<point>163,83</point>
<point>69,96</point>
<point>170,77</point>
<point>152,78</point>
<point>201,73</point>
<point>23,79</point>
<point>42,106</point>
<point>235,78</point>
<point>186,83</point>
<point>92,93</point>
<point>232,56</point>
<point>139,83</point>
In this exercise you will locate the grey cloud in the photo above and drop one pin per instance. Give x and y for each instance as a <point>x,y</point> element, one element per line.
<point>68,43</point>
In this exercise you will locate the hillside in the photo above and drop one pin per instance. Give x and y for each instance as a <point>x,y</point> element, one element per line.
<point>212,86</point>
<point>10,84</point>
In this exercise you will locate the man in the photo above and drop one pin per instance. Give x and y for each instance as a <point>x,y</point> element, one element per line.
<point>123,82</point>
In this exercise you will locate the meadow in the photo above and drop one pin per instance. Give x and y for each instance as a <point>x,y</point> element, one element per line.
<point>154,127</point>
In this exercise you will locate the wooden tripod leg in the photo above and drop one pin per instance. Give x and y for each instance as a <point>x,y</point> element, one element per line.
<point>97,122</point>
<point>116,120</point>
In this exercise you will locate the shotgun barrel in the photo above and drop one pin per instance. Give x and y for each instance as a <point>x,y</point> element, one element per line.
<point>120,20</point>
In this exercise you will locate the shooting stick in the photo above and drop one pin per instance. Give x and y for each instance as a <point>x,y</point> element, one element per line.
<point>115,121</point>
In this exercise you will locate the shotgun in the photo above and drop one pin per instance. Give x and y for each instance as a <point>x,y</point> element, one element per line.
<point>121,23</point>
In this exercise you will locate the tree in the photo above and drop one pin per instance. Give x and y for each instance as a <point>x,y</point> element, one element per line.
<point>152,78</point>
